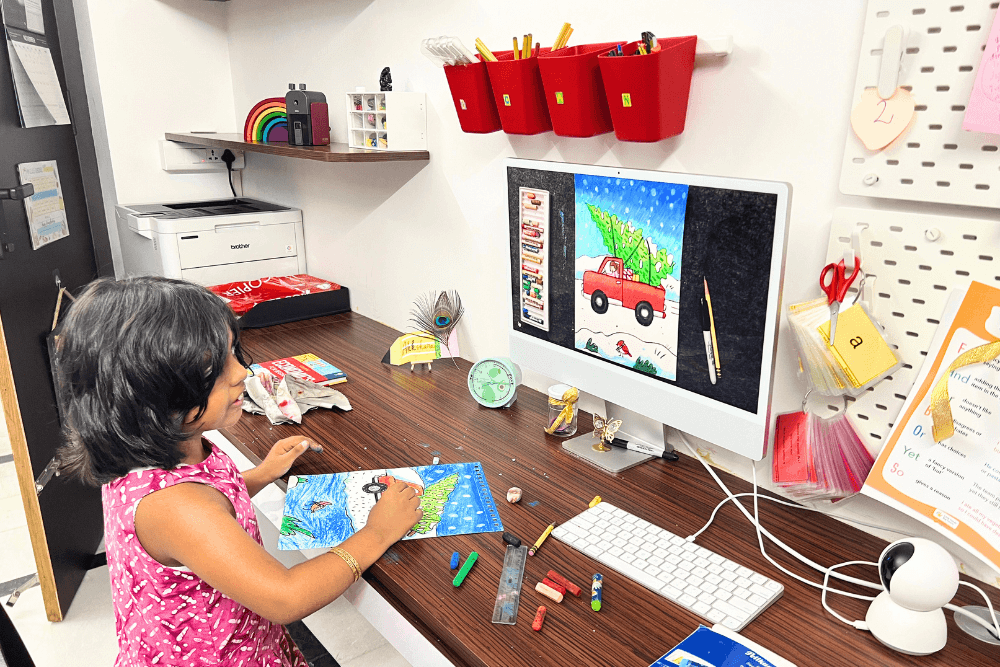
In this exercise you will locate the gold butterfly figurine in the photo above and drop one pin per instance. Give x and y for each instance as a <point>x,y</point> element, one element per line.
<point>605,431</point>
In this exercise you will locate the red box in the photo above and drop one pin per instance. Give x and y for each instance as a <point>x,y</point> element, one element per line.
<point>473,97</point>
<point>519,94</point>
<point>648,94</point>
<point>574,90</point>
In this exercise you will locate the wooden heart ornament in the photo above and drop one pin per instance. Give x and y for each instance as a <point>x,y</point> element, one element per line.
<point>879,122</point>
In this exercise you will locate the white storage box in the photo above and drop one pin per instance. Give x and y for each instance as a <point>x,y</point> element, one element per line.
<point>387,121</point>
<point>211,242</point>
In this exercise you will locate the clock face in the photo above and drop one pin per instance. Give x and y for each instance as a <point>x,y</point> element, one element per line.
<point>492,383</point>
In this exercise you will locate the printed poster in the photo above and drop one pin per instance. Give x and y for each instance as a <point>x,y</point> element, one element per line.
<point>954,485</point>
<point>46,209</point>
<point>629,237</point>
<point>321,511</point>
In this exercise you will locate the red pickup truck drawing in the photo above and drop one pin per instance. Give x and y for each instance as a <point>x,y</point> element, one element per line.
<point>607,285</point>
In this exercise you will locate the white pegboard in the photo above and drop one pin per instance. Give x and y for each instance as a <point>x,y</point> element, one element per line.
<point>913,276</point>
<point>935,160</point>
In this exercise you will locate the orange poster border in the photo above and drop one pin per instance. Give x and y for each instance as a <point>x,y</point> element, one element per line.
<point>972,314</point>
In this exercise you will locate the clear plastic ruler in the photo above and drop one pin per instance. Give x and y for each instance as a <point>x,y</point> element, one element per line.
<point>509,591</point>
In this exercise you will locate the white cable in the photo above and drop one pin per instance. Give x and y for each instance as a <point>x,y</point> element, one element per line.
<point>858,625</point>
<point>779,543</point>
<point>995,628</point>
<point>793,505</point>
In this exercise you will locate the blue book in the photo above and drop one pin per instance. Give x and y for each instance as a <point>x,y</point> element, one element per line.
<point>719,647</point>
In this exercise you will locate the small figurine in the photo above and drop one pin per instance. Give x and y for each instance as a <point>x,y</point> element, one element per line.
<point>513,494</point>
<point>385,80</point>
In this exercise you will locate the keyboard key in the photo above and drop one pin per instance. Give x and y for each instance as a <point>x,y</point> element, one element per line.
<point>594,539</point>
<point>699,572</point>
<point>643,554</point>
<point>715,615</point>
<point>592,550</point>
<point>728,576</point>
<point>685,565</point>
<point>671,592</point>
<point>677,540</point>
<point>616,550</point>
<point>636,540</point>
<point>655,560</point>
<point>673,559</point>
<point>686,600</point>
<point>693,591</point>
<point>702,552</point>
<point>640,563</point>
<point>714,569</point>
<point>630,518</point>
<point>633,573</point>
<point>772,586</point>
<point>757,578</point>
<point>756,600</point>
<point>665,577</point>
<point>744,571</point>
<point>602,523</point>
<point>575,530</point>
<point>626,557</point>
<point>663,543</point>
<point>761,591</point>
<point>743,605</point>
<point>716,559</point>
<point>732,624</point>
<point>723,595</point>
<point>707,599</point>
<point>727,585</point>
<point>730,610</point>
<point>744,582</point>
<point>690,546</point>
<point>729,565</point>
<point>653,570</point>
<point>701,607</point>
<point>676,550</point>
<point>708,587</point>
<point>713,578</point>
<point>694,581</point>
<point>619,542</point>
<point>741,593</point>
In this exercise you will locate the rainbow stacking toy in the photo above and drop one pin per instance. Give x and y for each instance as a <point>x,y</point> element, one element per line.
<point>267,121</point>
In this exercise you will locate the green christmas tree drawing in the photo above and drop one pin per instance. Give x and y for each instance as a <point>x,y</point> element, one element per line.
<point>433,502</point>
<point>290,525</point>
<point>624,240</point>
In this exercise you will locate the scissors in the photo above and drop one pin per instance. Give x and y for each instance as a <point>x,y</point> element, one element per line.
<point>835,284</point>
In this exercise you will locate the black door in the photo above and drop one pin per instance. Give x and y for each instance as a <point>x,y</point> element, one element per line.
<point>65,522</point>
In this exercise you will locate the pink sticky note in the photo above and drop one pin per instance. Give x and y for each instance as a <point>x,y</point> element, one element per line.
<point>983,112</point>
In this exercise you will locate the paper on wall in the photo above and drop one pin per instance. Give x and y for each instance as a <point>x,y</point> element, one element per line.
<point>952,486</point>
<point>45,209</point>
<point>24,14</point>
<point>39,95</point>
<point>982,114</point>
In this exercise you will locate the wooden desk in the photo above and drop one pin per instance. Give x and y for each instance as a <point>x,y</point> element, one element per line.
<point>404,418</point>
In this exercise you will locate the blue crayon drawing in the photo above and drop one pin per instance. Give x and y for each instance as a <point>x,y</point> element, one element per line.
<point>322,511</point>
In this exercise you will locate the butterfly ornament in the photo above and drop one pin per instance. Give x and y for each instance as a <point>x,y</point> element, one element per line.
<point>605,431</point>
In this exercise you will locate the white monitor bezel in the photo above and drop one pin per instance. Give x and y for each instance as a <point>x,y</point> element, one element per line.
<point>732,428</point>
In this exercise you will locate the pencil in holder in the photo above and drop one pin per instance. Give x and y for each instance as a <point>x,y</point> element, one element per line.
<point>648,94</point>
<point>574,91</point>
<point>519,93</point>
<point>473,97</point>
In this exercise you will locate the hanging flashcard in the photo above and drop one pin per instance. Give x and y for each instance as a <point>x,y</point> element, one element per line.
<point>39,95</point>
<point>535,241</point>
<point>46,210</point>
<point>321,511</point>
<point>951,485</point>
<point>879,122</point>
<point>982,114</point>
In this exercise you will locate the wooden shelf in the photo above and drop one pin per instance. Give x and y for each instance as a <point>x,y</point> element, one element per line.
<point>331,153</point>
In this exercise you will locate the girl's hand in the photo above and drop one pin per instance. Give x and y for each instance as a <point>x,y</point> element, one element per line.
<point>278,461</point>
<point>396,512</point>
<point>284,453</point>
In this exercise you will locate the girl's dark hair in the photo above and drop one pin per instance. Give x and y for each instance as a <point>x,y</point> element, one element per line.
<point>134,357</point>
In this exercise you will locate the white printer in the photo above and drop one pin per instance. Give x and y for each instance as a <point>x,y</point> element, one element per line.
<point>211,242</point>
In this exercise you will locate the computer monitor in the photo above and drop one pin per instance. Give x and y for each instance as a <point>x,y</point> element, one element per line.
<point>609,268</point>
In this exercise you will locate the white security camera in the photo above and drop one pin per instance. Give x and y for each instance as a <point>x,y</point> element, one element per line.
<point>919,578</point>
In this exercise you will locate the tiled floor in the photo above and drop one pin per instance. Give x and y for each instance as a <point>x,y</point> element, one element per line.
<point>89,627</point>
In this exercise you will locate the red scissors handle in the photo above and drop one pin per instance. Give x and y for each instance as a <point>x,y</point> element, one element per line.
<point>833,282</point>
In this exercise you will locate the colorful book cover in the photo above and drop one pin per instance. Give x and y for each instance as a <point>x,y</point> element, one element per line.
<point>708,647</point>
<point>307,367</point>
<point>321,511</point>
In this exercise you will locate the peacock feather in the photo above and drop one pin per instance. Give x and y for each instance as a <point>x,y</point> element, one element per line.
<point>438,314</point>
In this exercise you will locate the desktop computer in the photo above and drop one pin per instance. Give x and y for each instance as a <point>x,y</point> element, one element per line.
<point>657,292</point>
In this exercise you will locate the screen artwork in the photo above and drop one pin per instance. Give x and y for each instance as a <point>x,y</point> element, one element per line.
<point>629,237</point>
<point>322,511</point>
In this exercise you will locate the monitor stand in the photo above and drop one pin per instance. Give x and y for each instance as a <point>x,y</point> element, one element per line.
<point>634,427</point>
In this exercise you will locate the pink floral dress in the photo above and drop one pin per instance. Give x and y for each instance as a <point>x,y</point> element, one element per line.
<point>168,615</point>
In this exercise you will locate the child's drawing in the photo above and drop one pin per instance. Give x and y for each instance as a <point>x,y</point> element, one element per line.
<point>324,510</point>
<point>629,236</point>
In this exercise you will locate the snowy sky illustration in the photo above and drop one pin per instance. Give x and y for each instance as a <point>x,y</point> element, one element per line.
<point>655,207</point>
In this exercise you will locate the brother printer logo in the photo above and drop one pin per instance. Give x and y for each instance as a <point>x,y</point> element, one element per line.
<point>240,246</point>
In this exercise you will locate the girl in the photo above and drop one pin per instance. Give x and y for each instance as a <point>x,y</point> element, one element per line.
<point>146,365</point>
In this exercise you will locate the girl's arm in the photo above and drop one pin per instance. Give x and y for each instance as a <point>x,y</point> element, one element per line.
<point>194,525</point>
<point>278,461</point>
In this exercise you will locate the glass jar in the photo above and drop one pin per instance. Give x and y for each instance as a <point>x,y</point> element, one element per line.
<point>562,410</point>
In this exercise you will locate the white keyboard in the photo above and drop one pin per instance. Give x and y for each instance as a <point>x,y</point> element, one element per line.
<point>715,588</point>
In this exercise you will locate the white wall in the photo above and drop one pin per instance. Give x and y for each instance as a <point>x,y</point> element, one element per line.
<point>776,109</point>
<point>154,66</point>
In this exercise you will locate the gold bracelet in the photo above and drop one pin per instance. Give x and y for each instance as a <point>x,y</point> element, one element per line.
<point>349,559</point>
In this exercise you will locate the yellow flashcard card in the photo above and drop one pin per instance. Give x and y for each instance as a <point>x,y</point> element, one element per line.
<point>860,348</point>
